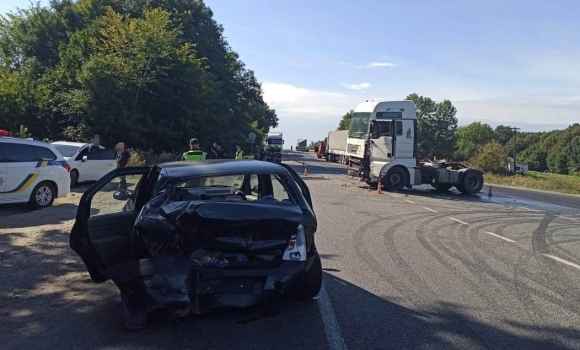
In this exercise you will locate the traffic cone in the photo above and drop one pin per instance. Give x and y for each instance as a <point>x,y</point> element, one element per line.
<point>305,172</point>
<point>489,193</point>
<point>379,190</point>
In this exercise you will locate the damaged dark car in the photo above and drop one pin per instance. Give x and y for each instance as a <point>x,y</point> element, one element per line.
<point>193,237</point>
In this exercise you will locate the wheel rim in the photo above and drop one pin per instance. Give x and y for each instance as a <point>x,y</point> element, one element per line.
<point>395,178</point>
<point>43,195</point>
<point>473,182</point>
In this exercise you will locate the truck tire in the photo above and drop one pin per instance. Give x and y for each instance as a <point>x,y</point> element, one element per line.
<point>396,179</point>
<point>471,183</point>
<point>442,187</point>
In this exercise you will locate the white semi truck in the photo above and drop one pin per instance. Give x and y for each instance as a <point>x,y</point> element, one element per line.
<point>382,147</point>
<point>274,142</point>
<point>336,146</point>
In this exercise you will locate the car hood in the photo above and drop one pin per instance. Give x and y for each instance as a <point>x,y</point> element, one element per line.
<point>179,228</point>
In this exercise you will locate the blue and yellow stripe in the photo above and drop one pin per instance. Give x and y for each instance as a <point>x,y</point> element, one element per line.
<point>31,178</point>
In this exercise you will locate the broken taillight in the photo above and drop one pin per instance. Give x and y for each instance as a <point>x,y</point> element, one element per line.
<point>296,250</point>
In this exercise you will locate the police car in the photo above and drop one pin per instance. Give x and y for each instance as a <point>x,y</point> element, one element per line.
<point>31,171</point>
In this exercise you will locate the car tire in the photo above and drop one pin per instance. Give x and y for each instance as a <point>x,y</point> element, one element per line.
<point>395,180</point>
<point>74,178</point>
<point>472,183</point>
<point>42,196</point>
<point>312,281</point>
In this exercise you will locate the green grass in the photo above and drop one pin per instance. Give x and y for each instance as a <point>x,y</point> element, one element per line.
<point>539,181</point>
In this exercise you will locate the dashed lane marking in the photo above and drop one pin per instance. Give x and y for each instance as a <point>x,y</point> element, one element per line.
<point>331,326</point>
<point>568,218</point>
<point>431,210</point>
<point>406,200</point>
<point>459,221</point>
<point>562,260</point>
<point>501,237</point>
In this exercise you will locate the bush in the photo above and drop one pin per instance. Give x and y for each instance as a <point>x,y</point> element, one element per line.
<point>491,158</point>
<point>146,158</point>
<point>137,158</point>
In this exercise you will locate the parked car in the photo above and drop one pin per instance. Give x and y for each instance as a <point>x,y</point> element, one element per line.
<point>32,171</point>
<point>89,162</point>
<point>199,236</point>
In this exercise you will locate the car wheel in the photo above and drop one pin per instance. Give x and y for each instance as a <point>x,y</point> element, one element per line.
<point>74,178</point>
<point>312,281</point>
<point>42,196</point>
<point>396,179</point>
<point>472,183</point>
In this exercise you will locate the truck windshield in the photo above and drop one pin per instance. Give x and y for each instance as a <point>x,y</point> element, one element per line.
<point>359,125</point>
<point>274,141</point>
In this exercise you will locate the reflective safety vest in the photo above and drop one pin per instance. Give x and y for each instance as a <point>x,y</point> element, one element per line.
<point>194,154</point>
<point>240,155</point>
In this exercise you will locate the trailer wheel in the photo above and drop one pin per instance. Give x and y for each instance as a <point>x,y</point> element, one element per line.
<point>442,187</point>
<point>395,180</point>
<point>471,183</point>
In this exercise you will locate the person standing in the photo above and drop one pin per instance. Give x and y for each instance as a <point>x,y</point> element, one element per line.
<point>123,160</point>
<point>239,153</point>
<point>218,151</point>
<point>194,152</point>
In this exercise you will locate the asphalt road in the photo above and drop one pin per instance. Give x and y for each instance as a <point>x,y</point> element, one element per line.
<point>409,270</point>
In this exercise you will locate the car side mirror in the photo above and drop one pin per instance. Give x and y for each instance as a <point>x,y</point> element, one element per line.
<point>84,159</point>
<point>121,195</point>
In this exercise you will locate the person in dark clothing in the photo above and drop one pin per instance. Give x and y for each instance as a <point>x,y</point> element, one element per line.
<point>218,152</point>
<point>123,160</point>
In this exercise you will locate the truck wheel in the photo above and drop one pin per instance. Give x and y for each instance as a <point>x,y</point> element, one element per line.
<point>442,187</point>
<point>395,180</point>
<point>471,183</point>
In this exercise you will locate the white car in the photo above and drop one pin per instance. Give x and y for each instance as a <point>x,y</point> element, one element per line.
<point>89,162</point>
<point>32,171</point>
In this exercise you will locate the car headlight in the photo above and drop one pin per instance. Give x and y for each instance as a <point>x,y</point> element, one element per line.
<point>296,250</point>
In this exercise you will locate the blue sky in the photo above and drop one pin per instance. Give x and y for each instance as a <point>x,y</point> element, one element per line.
<point>513,62</point>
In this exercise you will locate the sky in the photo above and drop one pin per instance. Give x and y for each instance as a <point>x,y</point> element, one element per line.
<point>510,62</point>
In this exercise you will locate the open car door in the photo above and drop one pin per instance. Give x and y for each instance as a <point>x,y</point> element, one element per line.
<point>105,218</point>
<point>301,184</point>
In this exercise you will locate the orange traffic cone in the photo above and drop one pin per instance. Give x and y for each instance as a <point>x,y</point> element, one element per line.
<point>305,172</point>
<point>489,193</point>
<point>379,186</point>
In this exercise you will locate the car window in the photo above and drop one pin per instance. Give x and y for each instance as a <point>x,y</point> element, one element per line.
<point>44,153</point>
<point>280,192</point>
<point>117,196</point>
<point>19,153</point>
<point>66,150</point>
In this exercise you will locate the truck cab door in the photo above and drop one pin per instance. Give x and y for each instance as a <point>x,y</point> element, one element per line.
<point>381,141</point>
<point>404,139</point>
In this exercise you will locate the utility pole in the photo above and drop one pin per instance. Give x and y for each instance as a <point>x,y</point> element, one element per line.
<point>515,130</point>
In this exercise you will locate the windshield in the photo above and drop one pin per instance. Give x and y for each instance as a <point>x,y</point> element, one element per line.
<point>274,141</point>
<point>66,150</point>
<point>359,125</point>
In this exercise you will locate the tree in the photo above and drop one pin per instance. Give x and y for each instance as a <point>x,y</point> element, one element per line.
<point>437,126</point>
<point>491,158</point>
<point>471,137</point>
<point>503,134</point>
<point>345,121</point>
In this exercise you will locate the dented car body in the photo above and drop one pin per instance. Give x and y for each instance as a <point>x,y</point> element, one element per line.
<point>193,237</point>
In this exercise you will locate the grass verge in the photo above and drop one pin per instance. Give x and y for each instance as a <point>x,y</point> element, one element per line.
<point>538,181</point>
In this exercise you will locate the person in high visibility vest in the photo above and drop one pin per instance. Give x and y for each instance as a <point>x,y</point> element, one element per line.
<point>194,152</point>
<point>239,153</point>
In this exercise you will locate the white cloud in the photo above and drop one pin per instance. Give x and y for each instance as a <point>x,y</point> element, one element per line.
<point>296,103</point>
<point>357,87</point>
<point>381,64</point>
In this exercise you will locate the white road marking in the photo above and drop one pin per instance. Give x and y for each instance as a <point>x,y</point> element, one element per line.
<point>394,195</point>
<point>341,282</point>
<point>431,210</point>
<point>568,218</point>
<point>530,209</point>
<point>409,201</point>
<point>331,326</point>
<point>501,237</point>
<point>459,221</point>
<point>562,260</point>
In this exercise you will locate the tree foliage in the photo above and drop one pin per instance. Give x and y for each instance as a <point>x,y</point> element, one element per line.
<point>472,137</point>
<point>491,158</point>
<point>152,73</point>
<point>345,120</point>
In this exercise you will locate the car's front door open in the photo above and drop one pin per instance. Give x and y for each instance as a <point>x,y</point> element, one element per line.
<point>105,218</point>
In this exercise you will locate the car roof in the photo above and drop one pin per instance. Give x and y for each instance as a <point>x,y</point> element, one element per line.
<point>77,144</point>
<point>24,141</point>
<point>219,166</point>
